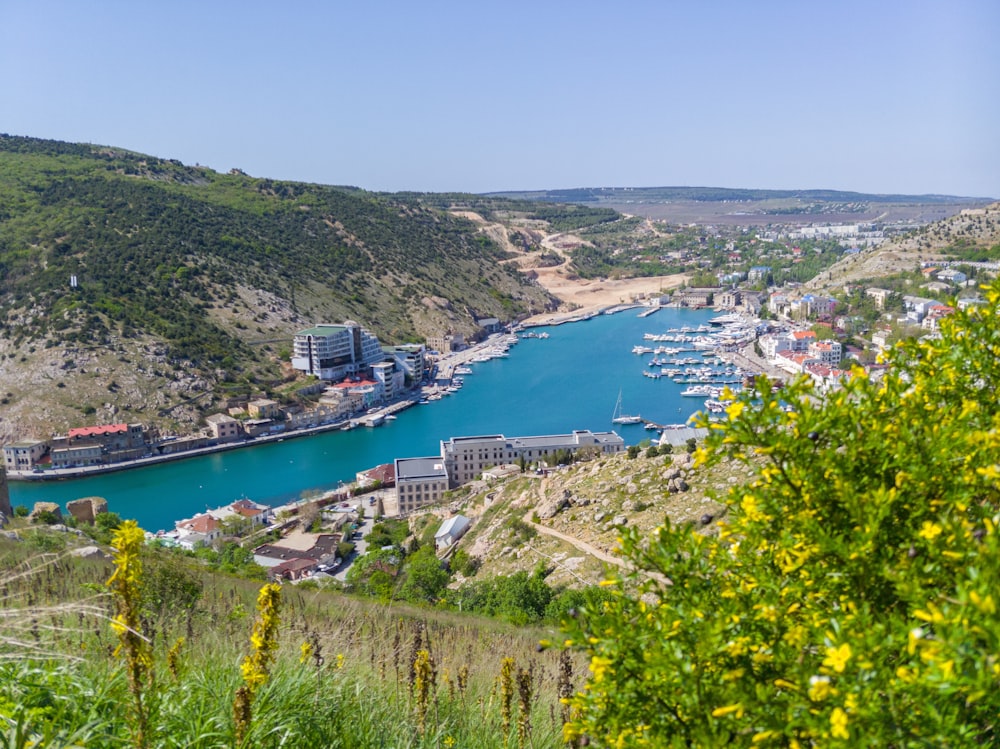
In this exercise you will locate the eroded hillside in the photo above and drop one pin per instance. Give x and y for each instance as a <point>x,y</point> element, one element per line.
<point>968,236</point>
<point>569,519</point>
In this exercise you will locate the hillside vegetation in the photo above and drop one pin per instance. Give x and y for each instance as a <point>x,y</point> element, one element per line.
<point>971,236</point>
<point>339,671</point>
<point>194,278</point>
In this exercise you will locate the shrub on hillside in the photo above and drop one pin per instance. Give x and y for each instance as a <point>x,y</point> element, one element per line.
<point>850,596</point>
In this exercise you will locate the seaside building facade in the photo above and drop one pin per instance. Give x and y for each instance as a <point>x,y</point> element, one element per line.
<point>419,482</point>
<point>465,458</point>
<point>331,352</point>
<point>23,454</point>
<point>224,428</point>
<point>390,378</point>
<point>410,359</point>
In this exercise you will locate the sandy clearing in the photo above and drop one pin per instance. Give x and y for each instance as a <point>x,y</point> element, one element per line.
<point>588,295</point>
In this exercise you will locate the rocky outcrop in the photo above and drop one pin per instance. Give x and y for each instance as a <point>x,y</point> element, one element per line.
<point>41,508</point>
<point>87,509</point>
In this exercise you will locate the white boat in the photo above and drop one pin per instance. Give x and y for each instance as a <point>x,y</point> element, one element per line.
<point>696,391</point>
<point>619,418</point>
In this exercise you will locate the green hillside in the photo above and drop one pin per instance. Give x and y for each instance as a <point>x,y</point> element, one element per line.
<point>155,245</point>
<point>188,279</point>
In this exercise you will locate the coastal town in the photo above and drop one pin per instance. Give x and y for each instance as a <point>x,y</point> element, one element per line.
<point>344,378</point>
<point>358,383</point>
<point>348,379</point>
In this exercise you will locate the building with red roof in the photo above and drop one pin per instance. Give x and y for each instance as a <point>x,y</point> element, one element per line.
<point>111,436</point>
<point>384,475</point>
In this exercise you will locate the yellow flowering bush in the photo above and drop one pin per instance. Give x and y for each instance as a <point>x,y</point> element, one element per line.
<point>850,595</point>
<point>126,585</point>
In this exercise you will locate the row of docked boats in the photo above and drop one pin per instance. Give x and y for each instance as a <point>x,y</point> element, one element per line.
<point>498,349</point>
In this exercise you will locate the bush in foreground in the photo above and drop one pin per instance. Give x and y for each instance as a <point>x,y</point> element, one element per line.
<point>850,597</point>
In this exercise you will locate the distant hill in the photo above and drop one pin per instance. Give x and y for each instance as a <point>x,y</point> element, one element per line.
<point>720,194</point>
<point>971,236</point>
<point>722,205</point>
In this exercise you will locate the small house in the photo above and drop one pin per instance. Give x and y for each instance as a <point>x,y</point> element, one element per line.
<point>450,531</point>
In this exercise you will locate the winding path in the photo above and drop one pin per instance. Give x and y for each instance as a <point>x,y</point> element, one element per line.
<point>573,540</point>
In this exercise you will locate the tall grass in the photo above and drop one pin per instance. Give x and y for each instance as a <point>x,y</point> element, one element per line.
<point>354,686</point>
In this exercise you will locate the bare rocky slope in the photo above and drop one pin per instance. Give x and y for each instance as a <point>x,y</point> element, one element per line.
<point>569,520</point>
<point>970,230</point>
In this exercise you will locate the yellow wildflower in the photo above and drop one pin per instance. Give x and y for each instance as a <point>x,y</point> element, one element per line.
<point>819,688</point>
<point>720,712</point>
<point>836,658</point>
<point>985,605</point>
<point>838,724</point>
<point>929,530</point>
<point>763,736</point>
<point>599,665</point>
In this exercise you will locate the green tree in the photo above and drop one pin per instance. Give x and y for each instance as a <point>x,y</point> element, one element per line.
<point>424,578</point>
<point>850,596</point>
<point>375,573</point>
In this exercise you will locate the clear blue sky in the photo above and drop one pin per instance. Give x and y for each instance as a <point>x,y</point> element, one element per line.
<point>875,95</point>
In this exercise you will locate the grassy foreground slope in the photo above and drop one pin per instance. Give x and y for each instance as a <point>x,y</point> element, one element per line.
<point>346,672</point>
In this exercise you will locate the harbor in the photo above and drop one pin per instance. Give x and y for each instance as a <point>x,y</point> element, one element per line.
<point>553,385</point>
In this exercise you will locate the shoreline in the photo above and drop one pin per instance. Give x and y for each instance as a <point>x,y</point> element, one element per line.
<point>446,363</point>
<point>70,474</point>
<point>610,292</point>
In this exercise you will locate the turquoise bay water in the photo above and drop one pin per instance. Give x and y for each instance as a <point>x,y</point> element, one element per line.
<point>568,381</point>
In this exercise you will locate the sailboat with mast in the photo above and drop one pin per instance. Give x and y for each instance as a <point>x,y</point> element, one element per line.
<point>619,418</point>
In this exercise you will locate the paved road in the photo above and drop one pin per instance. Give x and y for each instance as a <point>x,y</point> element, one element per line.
<point>360,544</point>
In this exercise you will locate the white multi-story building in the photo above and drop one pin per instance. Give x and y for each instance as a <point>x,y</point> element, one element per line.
<point>22,455</point>
<point>465,458</point>
<point>827,352</point>
<point>332,352</point>
<point>409,358</point>
<point>391,379</point>
<point>794,341</point>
